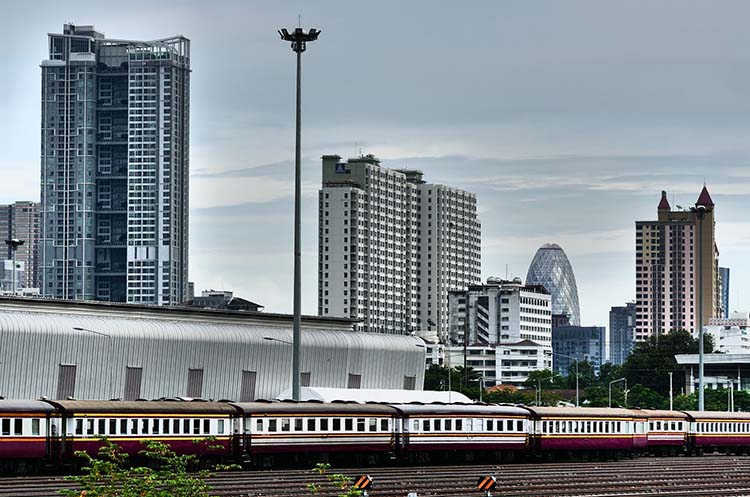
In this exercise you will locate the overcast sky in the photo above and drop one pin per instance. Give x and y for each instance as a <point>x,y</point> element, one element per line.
<point>566,118</point>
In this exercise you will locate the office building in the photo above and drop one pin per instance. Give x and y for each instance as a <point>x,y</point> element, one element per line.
<point>114,168</point>
<point>621,332</point>
<point>551,269</point>
<point>724,281</point>
<point>668,252</point>
<point>21,220</point>
<point>578,343</point>
<point>391,246</point>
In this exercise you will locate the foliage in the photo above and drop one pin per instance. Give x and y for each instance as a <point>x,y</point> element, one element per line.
<point>715,400</point>
<point>586,374</point>
<point>109,474</point>
<point>342,483</point>
<point>436,378</point>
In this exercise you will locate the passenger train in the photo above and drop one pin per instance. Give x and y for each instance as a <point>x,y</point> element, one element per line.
<point>38,434</point>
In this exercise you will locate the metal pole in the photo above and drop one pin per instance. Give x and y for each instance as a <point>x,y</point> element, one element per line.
<point>296,390</point>
<point>577,404</point>
<point>13,249</point>
<point>670,390</point>
<point>701,399</point>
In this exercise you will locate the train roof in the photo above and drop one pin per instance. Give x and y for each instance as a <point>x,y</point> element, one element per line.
<point>720,415</point>
<point>275,407</point>
<point>143,406</point>
<point>436,408</point>
<point>593,412</point>
<point>663,413</point>
<point>16,405</point>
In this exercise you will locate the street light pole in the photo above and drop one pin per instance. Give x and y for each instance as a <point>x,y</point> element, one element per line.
<point>609,403</point>
<point>700,213</point>
<point>577,375</point>
<point>299,40</point>
<point>670,390</point>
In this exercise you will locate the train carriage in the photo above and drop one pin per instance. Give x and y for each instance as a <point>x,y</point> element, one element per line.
<point>720,431</point>
<point>596,430</point>
<point>311,431</point>
<point>184,426</point>
<point>472,429</point>
<point>26,431</point>
<point>667,431</point>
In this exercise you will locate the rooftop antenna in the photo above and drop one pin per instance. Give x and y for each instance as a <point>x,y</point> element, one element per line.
<point>506,271</point>
<point>299,20</point>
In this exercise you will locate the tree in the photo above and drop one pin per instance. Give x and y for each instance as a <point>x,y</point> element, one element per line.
<point>652,360</point>
<point>645,398</point>
<point>546,380</point>
<point>109,475</point>
<point>586,374</point>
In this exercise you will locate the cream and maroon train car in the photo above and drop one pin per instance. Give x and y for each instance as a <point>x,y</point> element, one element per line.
<point>667,431</point>
<point>719,431</point>
<point>474,429</point>
<point>27,430</point>
<point>594,430</point>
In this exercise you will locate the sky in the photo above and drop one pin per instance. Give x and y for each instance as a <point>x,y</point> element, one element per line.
<point>566,119</point>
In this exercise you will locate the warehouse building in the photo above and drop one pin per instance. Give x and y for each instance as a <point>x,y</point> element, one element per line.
<point>94,350</point>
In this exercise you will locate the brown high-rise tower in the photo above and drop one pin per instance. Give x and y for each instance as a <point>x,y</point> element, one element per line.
<point>668,252</point>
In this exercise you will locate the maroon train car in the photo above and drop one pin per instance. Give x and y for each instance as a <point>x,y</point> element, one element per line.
<point>557,429</point>
<point>24,429</point>
<point>273,432</point>
<point>667,431</point>
<point>719,431</point>
<point>129,423</point>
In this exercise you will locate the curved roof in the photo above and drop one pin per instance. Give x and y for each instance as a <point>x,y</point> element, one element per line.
<point>586,412</point>
<point>386,395</point>
<point>720,415</point>
<point>143,406</point>
<point>412,409</point>
<point>261,408</point>
<point>663,413</point>
<point>13,405</point>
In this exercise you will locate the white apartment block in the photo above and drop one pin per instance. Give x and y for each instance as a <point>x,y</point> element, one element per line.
<point>391,246</point>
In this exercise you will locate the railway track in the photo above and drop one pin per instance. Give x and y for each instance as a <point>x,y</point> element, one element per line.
<point>667,477</point>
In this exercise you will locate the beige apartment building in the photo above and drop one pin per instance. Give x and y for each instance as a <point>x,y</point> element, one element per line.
<point>668,254</point>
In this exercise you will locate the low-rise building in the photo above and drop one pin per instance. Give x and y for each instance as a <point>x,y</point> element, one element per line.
<point>730,335</point>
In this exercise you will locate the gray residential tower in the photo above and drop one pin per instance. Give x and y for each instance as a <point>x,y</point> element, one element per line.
<point>114,168</point>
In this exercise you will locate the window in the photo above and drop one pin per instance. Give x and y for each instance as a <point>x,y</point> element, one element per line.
<point>134,427</point>
<point>17,426</point>
<point>285,424</point>
<point>79,427</point>
<point>123,427</point>
<point>206,426</point>
<point>165,426</point>
<point>383,425</point>
<point>144,427</point>
<point>373,424</point>
<point>196,427</point>
<point>154,426</point>
<point>324,424</point>
<point>509,425</point>
<point>459,425</point>
<point>448,423</point>
<point>271,425</point>
<point>298,424</point>
<point>35,427</point>
<point>425,425</point>
<point>336,424</point>
<point>436,425</point>
<point>348,424</point>
<point>490,425</point>
<point>186,426</point>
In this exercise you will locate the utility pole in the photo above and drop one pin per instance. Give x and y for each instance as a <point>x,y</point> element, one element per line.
<point>299,40</point>
<point>700,213</point>
<point>670,390</point>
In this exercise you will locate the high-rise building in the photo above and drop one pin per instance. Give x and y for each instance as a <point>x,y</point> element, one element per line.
<point>667,258</point>
<point>724,281</point>
<point>621,332</point>
<point>391,246</point>
<point>21,220</point>
<point>578,343</point>
<point>115,129</point>
<point>551,268</point>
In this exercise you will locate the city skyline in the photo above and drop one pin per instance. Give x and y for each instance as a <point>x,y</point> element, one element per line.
<point>578,135</point>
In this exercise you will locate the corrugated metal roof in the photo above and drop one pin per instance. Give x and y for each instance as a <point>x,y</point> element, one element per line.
<point>34,343</point>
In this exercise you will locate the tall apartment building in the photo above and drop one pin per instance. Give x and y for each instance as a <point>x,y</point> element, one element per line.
<point>621,332</point>
<point>21,220</point>
<point>668,252</point>
<point>391,246</point>
<point>114,168</point>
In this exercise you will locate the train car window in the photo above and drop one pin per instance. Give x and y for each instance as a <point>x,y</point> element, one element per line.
<point>258,425</point>
<point>165,426</point>
<point>144,427</point>
<point>595,426</point>
<point>336,424</point>
<point>673,425</point>
<point>134,427</point>
<point>311,424</point>
<point>448,425</point>
<point>383,425</point>
<point>154,426</point>
<point>360,424</point>
<point>272,425</point>
<point>426,425</point>
<point>89,427</point>
<point>35,427</point>
<point>79,427</point>
<point>509,425</point>
<point>102,427</point>
<point>176,426</point>
<point>123,427</point>
<point>348,424</point>
<point>650,426</point>
<point>285,424</point>
<point>658,426</point>
<point>490,425</point>
<point>373,424</point>
<point>113,427</point>
<point>324,424</point>
<point>220,426</point>
<point>562,427</point>
<point>459,424</point>
<point>197,426</point>
<point>556,427</point>
<point>437,425</point>
<point>415,425</point>
<point>606,426</point>
<point>544,427</point>
<point>207,426</point>
<point>298,424</point>
<point>186,426</point>
<point>17,426</point>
